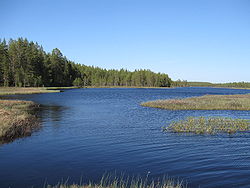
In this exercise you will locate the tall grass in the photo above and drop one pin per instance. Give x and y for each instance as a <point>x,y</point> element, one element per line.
<point>207,102</point>
<point>122,182</point>
<point>16,119</point>
<point>209,125</point>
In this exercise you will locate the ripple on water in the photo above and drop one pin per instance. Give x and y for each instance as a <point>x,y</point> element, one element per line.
<point>90,131</point>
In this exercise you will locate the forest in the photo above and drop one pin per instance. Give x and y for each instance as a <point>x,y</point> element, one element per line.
<point>185,83</point>
<point>24,63</point>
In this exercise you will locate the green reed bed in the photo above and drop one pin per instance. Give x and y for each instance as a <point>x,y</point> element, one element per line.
<point>209,125</point>
<point>207,102</point>
<point>121,182</point>
<point>16,119</point>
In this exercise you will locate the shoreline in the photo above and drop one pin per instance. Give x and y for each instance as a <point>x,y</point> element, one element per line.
<point>128,87</point>
<point>135,87</point>
<point>37,90</point>
<point>16,119</point>
<point>25,90</point>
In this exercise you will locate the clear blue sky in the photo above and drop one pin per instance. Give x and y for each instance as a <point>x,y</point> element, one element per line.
<point>196,40</point>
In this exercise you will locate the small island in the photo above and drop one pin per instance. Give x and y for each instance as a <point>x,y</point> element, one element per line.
<point>207,102</point>
<point>208,125</point>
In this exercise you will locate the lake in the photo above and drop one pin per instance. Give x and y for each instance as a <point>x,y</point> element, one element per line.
<point>87,132</point>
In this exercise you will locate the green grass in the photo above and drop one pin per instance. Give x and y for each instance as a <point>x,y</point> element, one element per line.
<point>16,119</point>
<point>207,102</point>
<point>209,125</point>
<point>121,182</point>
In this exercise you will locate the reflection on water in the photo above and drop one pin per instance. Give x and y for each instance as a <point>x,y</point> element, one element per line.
<point>87,132</point>
<point>42,112</point>
<point>54,113</point>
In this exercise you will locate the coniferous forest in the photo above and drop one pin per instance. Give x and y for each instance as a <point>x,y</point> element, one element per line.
<point>24,63</point>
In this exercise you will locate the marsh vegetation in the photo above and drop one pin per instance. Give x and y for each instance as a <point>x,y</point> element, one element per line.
<point>27,90</point>
<point>16,119</point>
<point>206,102</point>
<point>209,125</point>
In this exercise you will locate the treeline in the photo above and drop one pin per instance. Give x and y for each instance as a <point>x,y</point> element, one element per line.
<point>234,84</point>
<point>26,64</point>
<point>180,83</point>
<point>94,76</point>
<point>185,83</point>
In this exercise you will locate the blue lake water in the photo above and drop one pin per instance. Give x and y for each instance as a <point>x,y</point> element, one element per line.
<point>87,132</point>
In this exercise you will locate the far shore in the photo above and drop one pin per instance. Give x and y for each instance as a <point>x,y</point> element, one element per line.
<point>136,87</point>
<point>25,90</point>
<point>31,90</point>
<point>37,90</point>
<point>140,87</point>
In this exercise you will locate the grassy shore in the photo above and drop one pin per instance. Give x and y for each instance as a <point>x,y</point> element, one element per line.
<point>16,119</point>
<point>209,125</point>
<point>60,88</point>
<point>26,90</point>
<point>207,102</point>
<point>136,87</point>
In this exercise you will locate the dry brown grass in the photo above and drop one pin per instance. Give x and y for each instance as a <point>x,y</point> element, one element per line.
<point>26,90</point>
<point>16,120</point>
<point>207,102</point>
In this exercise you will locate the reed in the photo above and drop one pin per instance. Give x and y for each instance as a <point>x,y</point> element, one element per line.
<point>209,125</point>
<point>207,102</point>
<point>121,182</point>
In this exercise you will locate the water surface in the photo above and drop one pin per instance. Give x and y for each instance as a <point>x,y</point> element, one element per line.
<point>87,132</point>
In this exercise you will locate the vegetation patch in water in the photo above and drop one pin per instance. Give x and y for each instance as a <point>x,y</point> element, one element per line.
<point>16,119</point>
<point>209,125</point>
<point>207,102</point>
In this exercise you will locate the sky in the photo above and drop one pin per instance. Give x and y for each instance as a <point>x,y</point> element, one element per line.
<point>194,40</point>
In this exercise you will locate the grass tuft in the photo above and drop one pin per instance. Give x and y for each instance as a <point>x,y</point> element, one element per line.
<point>207,102</point>
<point>209,125</point>
<point>121,182</point>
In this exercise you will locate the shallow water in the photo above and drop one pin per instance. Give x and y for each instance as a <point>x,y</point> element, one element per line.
<point>87,132</point>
